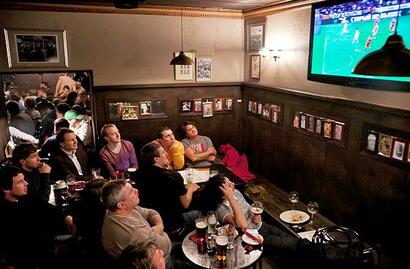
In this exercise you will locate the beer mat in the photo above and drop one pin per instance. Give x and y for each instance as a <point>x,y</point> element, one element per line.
<point>194,237</point>
<point>248,248</point>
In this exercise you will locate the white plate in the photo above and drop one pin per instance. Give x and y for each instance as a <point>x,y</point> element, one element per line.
<point>249,240</point>
<point>294,216</point>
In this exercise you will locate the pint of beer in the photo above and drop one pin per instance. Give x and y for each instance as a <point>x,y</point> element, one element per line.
<point>221,247</point>
<point>201,227</point>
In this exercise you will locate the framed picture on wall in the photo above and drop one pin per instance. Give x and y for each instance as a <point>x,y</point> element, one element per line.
<point>399,147</point>
<point>203,68</point>
<point>36,48</point>
<point>256,36</point>
<point>327,129</point>
<point>218,103</point>
<point>254,108</point>
<point>207,109</point>
<point>185,106</point>
<point>255,66</point>
<point>302,123</point>
<point>295,122</point>
<point>408,153</point>
<point>185,72</point>
<point>228,104</point>
<point>115,110</point>
<point>158,107</point>
<point>267,112</point>
<point>318,126</point>
<point>338,129</point>
<point>145,108</point>
<point>197,105</point>
<point>385,144</point>
<point>260,108</point>
<point>372,141</point>
<point>310,123</point>
<point>275,113</point>
<point>130,111</point>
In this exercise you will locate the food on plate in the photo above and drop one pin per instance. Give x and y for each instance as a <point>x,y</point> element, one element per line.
<point>296,217</point>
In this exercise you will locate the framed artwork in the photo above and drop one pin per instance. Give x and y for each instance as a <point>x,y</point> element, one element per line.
<point>255,66</point>
<point>228,104</point>
<point>185,106</point>
<point>338,129</point>
<point>115,110</point>
<point>310,123</point>
<point>197,105</point>
<point>185,72</point>
<point>302,123</point>
<point>399,147</point>
<point>327,129</point>
<point>203,68</point>
<point>256,36</point>
<point>267,112</point>
<point>318,126</point>
<point>145,108</point>
<point>207,109</point>
<point>218,103</point>
<point>249,106</point>
<point>36,48</point>
<point>385,144</point>
<point>254,108</point>
<point>296,119</point>
<point>259,112</point>
<point>408,154</point>
<point>372,142</point>
<point>158,107</point>
<point>275,113</point>
<point>130,111</point>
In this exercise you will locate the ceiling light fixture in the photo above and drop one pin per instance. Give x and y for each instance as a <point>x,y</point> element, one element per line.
<point>393,59</point>
<point>181,59</point>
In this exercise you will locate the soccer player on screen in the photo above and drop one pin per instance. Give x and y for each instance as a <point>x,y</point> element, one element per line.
<point>345,24</point>
<point>368,42</point>
<point>392,26</point>
<point>356,36</point>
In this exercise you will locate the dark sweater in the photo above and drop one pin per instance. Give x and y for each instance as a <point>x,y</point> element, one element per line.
<point>38,184</point>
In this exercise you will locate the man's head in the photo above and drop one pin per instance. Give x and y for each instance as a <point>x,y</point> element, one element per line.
<point>12,183</point>
<point>25,156</point>
<point>60,123</point>
<point>189,129</point>
<point>166,136</point>
<point>73,116</point>
<point>153,154</point>
<point>12,108</point>
<point>67,139</point>
<point>144,256</point>
<point>120,195</point>
<point>110,133</point>
<point>61,109</point>
<point>29,102</point>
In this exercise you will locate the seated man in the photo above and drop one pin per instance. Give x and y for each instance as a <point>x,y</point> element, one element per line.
<point>154,181</point>
<point>71,159</point>
<point>118,154</point>
<point>173,148</point>
<point>36,173</point>
<point>126,223</point>
<point>50,146</point>
<point>199,149</point>
<point>145,256</point>
<point>27,229</point>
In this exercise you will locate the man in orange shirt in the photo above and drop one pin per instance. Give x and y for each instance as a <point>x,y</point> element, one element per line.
<point>174,149</point>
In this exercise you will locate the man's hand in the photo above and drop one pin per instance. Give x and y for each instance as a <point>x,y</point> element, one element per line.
<point>158,229</point>
<point>193,187</point>
<point>227,189</point>
<point>44,168</point>
<point>211,151</point>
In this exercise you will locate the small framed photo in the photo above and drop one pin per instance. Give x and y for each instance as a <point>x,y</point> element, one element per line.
<point>249,106</point>
<point>275,113</point>
<point>207,109</point>
<point>338,129</point>
<point>372,142</point>
<point>399,147</point>
<point>296,119</point>
<point>255,66</point>
<point>130,111</point>
<point>218,103</point>
<point>197,105</point>
<point>145,108</point>
<point>185,106</point>
<point>115,110</point>
<point>203,69</point>
<point>228,104</point>
<point>36,48</point>
<point>260,105</point>
<point>408,153</point>
<point>318,126</point>
<point>185,72</point>
<point>310,123</point>
<point>254,107</point>
<point>302,123</point>
<point>158,107</point>
<point>267,112</point>
<point>327,129</point>
<point>255,36</point>
<point>385,144</point>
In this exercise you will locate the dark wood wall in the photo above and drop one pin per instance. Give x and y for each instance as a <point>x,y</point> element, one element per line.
<point>352,188</point>
<point>222,127</point>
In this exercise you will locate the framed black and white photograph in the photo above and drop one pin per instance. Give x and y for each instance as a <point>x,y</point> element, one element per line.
<point>302,123</point>
<point>255,66</point>
<point>399,147</point>
<point>218,103</point>
<point>185,106</point>
<point>372,142</point>
<point>267,112</point>
<point>36,48</point>
<point>228,104</point>
<point>275,113</point>
<point>318,126</point>
<point>256,36</point>
<point>260,108</point>
<point>310,123</point>
<point>185,72</point>
<point>338,129</point>
<point>145,108</point>
<point>207,110</point>
<point>203,69</point>
<point>158,107</point>
<point>197,105</point>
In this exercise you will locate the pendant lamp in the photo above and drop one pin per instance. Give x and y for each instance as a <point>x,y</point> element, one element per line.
<point>393,59</point>
<point>181,59</point>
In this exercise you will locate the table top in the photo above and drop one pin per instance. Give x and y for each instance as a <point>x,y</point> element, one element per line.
<point>236,258</point>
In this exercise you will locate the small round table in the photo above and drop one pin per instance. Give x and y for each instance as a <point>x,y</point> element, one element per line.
<point>237,257</point>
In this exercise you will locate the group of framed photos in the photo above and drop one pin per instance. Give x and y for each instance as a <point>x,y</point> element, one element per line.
<point>267,111</point>
<point>135,110</point>
<point>388,146</point>
<point>324,127</point>
<point>202,72</point>
<point>206,106</point>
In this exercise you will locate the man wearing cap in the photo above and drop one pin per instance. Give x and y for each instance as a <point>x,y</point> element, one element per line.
<point>80,125</point>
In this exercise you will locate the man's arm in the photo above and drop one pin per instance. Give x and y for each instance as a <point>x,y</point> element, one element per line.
<point>157,225</point>
<point>107,165</point>
<point>187,198</point>
<point>195,157</point>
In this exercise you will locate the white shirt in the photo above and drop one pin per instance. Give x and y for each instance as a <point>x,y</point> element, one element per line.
<point>74,159</point>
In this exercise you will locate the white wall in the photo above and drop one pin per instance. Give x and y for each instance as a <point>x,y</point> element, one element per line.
<point>290,31</point>
<point>136,49</point>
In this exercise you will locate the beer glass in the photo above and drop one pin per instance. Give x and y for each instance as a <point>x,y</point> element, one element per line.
<point>221,247</point>
<point>257,208</point>
<point>211,218</point>
<point>201,226</point>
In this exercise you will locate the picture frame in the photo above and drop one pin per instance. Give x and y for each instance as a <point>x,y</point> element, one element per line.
<point>302,121</point>
<point>218,103</point>
<point>130,111</point>
<point>260,105</point>
<point>310,123</point>
<point>408,153</point>
<point>228,104</point>
<point>267,112</point>
<point>295,122</point>
<point>36,48</point>
<point>399,149</point>
<point>207,110</point>
<point>158,107</point>
<point>197,105</point>
<point>145,108</point>
<point>249,106</point>
<point>254,107</point>
<point>372,142</point>
<point>327,129</point>
<point>275,113</point>
<point>255,36</point>
<point>255,66</point>
<point>185,106</point>
<point>203,69</point>
<point>318,126</point>
<point>185,72</point>
<point>338,129</point>
<point>115,110</point>
<point>385,144</point>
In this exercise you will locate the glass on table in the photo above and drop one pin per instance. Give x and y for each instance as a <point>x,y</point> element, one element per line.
<point>70,179</point>
<point>211,219</point>
<point>95,172</point>
<point>201,227</point>
<point>293,198</point>
<point>231,233</point>
<point>189,175</point>
<point>257,208</point>
<point>312,208</point>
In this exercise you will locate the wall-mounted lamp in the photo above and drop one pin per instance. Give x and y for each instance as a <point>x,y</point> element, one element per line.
<point>270,53</point>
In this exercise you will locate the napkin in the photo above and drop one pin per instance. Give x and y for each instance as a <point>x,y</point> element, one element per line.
<point>248,248</point>
<point>195,238</point>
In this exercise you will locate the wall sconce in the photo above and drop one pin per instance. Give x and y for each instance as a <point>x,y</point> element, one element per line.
<point>270,53</point>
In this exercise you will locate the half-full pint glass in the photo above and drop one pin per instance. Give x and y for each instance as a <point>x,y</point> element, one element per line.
<point>221,247</point>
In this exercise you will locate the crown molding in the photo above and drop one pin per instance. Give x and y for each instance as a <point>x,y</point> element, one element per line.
<point>145,10</point>
<point>286,6</point>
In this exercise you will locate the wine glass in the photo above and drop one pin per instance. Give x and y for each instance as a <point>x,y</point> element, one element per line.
<point>293,198</point>
<point>312,208</point>
<point>189,176</point>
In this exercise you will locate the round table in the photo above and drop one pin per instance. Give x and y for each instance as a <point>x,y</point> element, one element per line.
<point>236,258</point>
